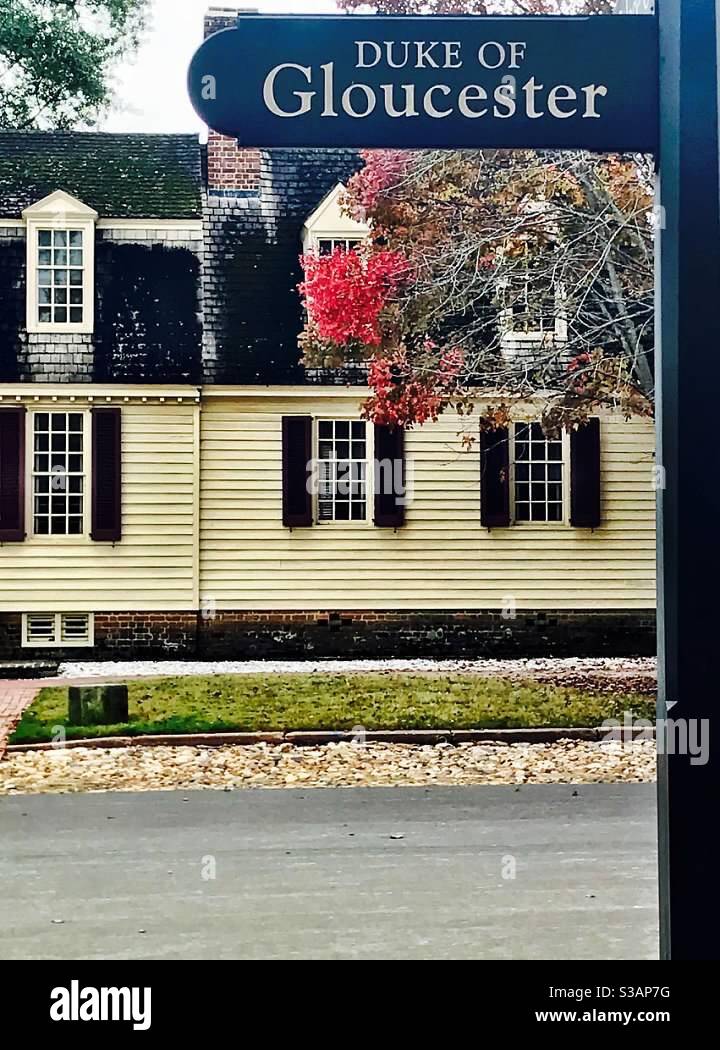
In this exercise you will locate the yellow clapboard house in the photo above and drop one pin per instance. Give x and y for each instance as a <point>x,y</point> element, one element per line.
<point>168,469</point>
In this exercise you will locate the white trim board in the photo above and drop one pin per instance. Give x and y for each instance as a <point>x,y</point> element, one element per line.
<point>87,393</point>
<point>171,225</point>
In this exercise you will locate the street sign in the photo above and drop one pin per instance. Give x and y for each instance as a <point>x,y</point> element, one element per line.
<point>422,82</point>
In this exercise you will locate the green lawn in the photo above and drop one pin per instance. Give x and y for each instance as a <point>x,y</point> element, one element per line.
<point>254,703</point>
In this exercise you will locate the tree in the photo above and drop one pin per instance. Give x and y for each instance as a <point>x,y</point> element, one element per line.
<point>478,7</point>
<point>525,272</point>
<point>56,57</point>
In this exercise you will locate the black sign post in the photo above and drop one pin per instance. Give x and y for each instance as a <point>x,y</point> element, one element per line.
<point>688,323</point>
<point>632,83</point>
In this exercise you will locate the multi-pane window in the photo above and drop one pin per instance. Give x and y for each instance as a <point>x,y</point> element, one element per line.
<point>327,245</point>
<point>58,484</point>
<point>60,281</point>
<point>539,474</point>
<point>342,470</point>
<point>532,306</point>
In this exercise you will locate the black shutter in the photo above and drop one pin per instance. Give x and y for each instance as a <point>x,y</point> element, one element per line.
<point>297,471</point>
<point>585,476</point>
<point>106,475</point>
<point>389,477</point>
<point>12,475</point>
<point>495,478</point>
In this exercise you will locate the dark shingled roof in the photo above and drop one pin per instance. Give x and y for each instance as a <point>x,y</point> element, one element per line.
<point>120,176</point>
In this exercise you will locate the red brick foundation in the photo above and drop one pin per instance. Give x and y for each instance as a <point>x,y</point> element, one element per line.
<point>157,635</point>
<point>244,635</point>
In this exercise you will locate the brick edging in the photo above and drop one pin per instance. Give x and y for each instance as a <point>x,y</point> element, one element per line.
<point>318,738</point>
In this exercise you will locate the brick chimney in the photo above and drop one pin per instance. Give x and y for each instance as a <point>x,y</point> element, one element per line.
<point>229,166</point>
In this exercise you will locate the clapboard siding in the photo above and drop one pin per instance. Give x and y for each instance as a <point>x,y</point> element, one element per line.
<point>152,568</point>
<point>442,558</point>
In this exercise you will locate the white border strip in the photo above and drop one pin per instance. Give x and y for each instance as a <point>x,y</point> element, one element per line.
<point>171,225</point>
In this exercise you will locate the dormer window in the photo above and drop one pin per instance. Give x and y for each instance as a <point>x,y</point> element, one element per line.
<point>533,308</point>
<point>60,262</point>
<point>60,276</point>
<point>533,312</point>
<point>329,228</point>
<point>326,246</point>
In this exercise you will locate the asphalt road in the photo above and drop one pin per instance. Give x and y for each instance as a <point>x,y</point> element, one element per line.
<point>331,874</point>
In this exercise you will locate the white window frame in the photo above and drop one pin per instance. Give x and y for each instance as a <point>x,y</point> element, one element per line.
<point>58,641</point>
<point>368,520</point>
<point>329,223</point>
<point>517,339</point>
<point>565,461</point>
<point>347,243</point>
<point>42,538</point>
<point>60,212</point>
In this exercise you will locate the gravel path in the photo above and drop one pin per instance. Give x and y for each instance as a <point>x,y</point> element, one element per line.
<point>603,674</point>
<point>332,765</point>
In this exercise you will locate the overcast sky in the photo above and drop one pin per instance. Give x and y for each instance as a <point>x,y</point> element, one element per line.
<point>150,90</point>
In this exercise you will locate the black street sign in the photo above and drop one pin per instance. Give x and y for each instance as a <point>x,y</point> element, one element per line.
<point>564,82</point>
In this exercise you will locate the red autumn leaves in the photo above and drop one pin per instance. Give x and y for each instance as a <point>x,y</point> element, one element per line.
<point>406,397</point>
<point>346,292</point>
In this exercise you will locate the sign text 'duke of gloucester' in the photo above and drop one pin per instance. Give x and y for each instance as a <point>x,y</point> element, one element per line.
<point>514,82</point>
